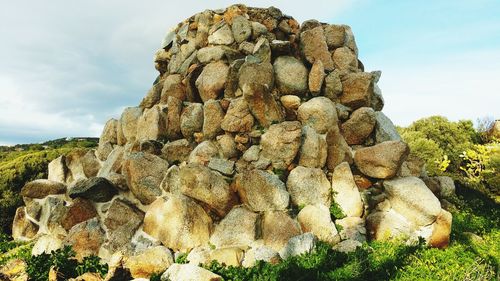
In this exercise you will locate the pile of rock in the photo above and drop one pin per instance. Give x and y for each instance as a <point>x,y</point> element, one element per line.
<point>254,128</point>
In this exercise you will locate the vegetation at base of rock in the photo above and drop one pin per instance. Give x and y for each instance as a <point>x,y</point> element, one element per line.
<point>23,163</point>
<point>64,262</point>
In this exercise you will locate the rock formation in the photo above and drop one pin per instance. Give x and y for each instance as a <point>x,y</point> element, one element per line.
<point>254,127</point>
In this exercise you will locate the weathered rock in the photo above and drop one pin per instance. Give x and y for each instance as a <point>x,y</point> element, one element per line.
<point>14,270</point>
<point>85,238</point>
<point>281,143</point>
<point>260,253</point>
<point>173,87</point>
<point>122,220</point>
<point>57,169</point>
<point>128,124</point>
<point>440,237</point>
<point>210,53</point>
<point>113,163</point>
<point>385,129</point>
<point>46,244</point>
<point>411,198</point>
<point>345,191</point>
<point>352,228</point>
<point>33,208</point>
<point>262,104</point>
<point>202,153</point>
<point>152,97</point>
<point>227,146</point>
<point>446,186</point>
<point>335,35</point>
<point>96,189</point>
<point>359,126</point>
<point>237,229</point>
<point>42,188</point>
<point>345,59</point>
<point>316,77</point>
<point>291,76</point>
<point>262,50</point>
<point>319,113</point>
<point>242,29</point>
<point>387,225</point>
<point>357,90</point>
<point>337,149</point>
<point>208,187</point>
<point>313,150</point>
<point>78,168</point>
<point>232,82</point>
<point>109,131</point>
<point>174,110</point>
<point>290,102</point>
<point>189,272</point>
<point>227,256</point>
<point>79,211</point>
<point>144,173</point>
<point>317,220</point>
<point>308,186</point>
<point>261,191</point>
<point>212,79</point>
<point>222,166</point>
<point>152,124</point>
<point>278,228</point>
<point>347,246</point>
<point>152,260</point>
<point>333,86</point>
<point>238,117</point>
<point>222,36</point>
<point>213,114</point>
<point>177,151</point>
<point>192,120</point>
<point>178,222</point>
<point>313,47</point>
<point>54,209</point>
<point>258,73</point>
<point>102,152</point>
<point>383,160</point>
<point>22,228</point>
<point>299,245</point>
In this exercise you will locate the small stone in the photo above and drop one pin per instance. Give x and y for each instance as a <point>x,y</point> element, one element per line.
<point>212,80</point>
<point>261,191</point>
<point>387,225</point>
<point>347,246</point>
<point>383,160</point>
<point>316,77</point>
<point>345,59</point>
<point>357,90</point>
<point>202,153</point>
<point>290,102</point>
<point>291,76</point>
<point>313,47</point>
<point>260,253</point>
<point>440,237</point>
<point>96,189</point>
<point>189,272</point>
<point>308,186</point>
<point>149,262</point>
<point>176,152</point>
<point>57,169</point>
<point>319,113</point>
<point>227,146</point>
<point>152,97</point>
<point>353,228</point>
<point>333,86</point>
<point>210,53</point>
<point>335,36</point>
<point>22,228</point>
<point>46,244</point>
<point>359,126</point>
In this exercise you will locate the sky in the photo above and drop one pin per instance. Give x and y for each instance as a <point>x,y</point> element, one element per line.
<point>66,67</point>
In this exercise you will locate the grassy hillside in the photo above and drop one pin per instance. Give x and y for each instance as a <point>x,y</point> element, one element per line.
<point>22,163</point>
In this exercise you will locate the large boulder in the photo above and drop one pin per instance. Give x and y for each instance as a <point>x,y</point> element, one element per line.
<point>411,198</point>
<point>238,117</point>
<point>177,151</point>
<point>79,211</point>
<point>96,189</point>
<point>42,188</point>
<point>152,124</point>
<point>57,169</point>
<point>313,151</point>
<point>261,191</point>
<point>383,160</point>
<point>385,129</point>
<point>22,228</point>
<point>192,120</point>
<point>144,173</point>
<point>345,191</point>
<point>121,220</point>
<point>338,150</point>
<point>178,222</point>
<point>208,187</point>
<point>212,80</point>
<point>313,46</point>
<point>149,262</point>
<point>440,237</point>
<point>128,124</point>
<point>387,225</point>
<point>359,126</point>
<point>281,143</point>
<point>317,220</point>
<point>262,104</point>
<point>308,186</point>
<point>299,245</point>
<point>237,229</point>
<point>357,90</point>
<point>319,113</point>
<point>213,114</point>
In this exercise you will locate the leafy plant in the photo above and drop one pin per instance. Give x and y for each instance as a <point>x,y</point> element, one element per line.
<point>182,258</point>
